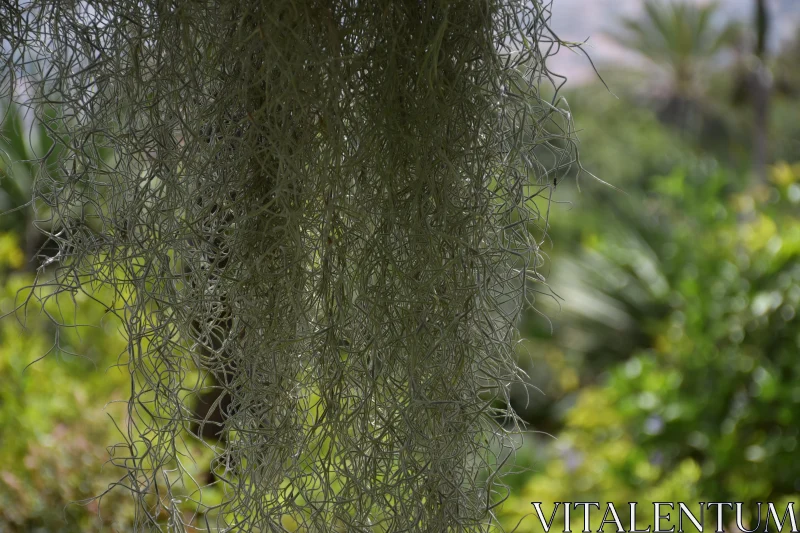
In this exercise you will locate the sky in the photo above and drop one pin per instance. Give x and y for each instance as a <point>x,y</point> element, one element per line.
<point>577,20</point>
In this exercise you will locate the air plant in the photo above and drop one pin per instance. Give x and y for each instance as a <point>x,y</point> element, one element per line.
<point>329,212</point>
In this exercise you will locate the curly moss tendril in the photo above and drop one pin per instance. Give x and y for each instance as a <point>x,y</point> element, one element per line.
<point>330,212</point>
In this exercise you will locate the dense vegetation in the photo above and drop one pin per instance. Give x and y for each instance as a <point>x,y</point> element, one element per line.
<point>671,372</point>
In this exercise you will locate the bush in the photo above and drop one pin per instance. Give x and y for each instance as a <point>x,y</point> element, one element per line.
<point>706,408</point>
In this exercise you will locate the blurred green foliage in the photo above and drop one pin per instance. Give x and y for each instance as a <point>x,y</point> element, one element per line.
<point>706,406</point>
<point>54,429</point>
<point>671,372</point>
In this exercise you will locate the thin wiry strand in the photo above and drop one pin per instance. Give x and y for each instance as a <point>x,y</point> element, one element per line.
<point>321,221</point>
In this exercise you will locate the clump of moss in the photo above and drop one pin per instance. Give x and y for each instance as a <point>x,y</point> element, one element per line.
<point>329,209</point>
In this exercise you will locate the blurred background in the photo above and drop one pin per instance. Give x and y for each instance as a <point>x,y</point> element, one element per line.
<point>666,368</point>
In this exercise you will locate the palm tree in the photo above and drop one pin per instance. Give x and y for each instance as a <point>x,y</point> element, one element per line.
<point>760,87</point>
<point>682,40</point>
<point>680,37</point>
